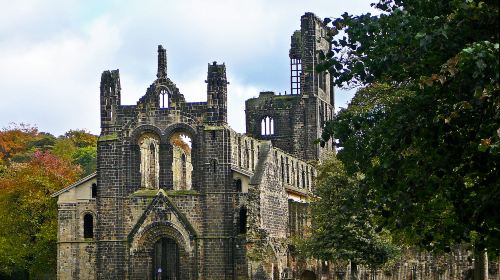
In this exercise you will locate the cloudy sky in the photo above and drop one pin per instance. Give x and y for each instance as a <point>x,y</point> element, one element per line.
<point>52,52</point>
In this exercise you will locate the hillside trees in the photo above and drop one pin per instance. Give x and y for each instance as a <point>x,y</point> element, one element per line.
<point>32,167</point>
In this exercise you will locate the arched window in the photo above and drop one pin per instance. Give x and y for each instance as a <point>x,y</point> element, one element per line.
<point>239,152</point>
<point>149,144</point>
<point>303,178</point>
<point>321,114</point>
<point>282,170</point>
<point>94,190</point>
<point>247,155</point>
<point>243,220</point>
<point>88,226</point>
<point>252,153</point>
<point>182,167</point>
<point>214,165</point>
<point>287,172</point>
<point>267,126</point>
<point>164,99</point>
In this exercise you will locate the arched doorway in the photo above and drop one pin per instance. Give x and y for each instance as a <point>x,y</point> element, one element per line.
<point>308,275</point>
<point>166,264</point>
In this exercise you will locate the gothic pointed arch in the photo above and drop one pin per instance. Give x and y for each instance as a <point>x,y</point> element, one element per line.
<point>149,166</point>
<point>180,164</point>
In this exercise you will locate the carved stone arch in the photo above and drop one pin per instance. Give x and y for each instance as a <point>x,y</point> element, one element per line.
<point>138,131</point>
<point>135,153</point>
<point>142,250</point>
<point>179,127</point>
<point>178,173</point>
<point>156,230</point>
<point>269,266</point>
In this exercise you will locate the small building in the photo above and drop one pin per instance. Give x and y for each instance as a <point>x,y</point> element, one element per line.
<point>178,194</point>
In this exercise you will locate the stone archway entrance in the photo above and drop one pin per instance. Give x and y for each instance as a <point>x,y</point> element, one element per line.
<point>308,275</point>
<point>166,263</point>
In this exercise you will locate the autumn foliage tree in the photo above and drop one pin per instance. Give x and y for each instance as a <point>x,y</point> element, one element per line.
<point>31,168</point>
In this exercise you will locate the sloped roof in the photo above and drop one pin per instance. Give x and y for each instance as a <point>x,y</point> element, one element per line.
<point>75,184</point>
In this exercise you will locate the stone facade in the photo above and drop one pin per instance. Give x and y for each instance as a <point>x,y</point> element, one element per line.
<point>178,194</point>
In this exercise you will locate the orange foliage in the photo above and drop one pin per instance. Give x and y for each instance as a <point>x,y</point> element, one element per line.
<point>45,173</point>
<point>177,141</point>
<point>15,139</point>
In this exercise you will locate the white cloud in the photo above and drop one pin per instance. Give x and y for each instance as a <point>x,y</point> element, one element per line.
<point>54,83</point>
<point>53,52</point>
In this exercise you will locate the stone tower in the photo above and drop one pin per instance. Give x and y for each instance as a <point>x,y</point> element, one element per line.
<point>217,93</point>
<point>294,121</point>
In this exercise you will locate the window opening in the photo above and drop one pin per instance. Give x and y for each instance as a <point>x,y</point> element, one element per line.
<point>303,178</point>
<point>287,172</point>
<point>252,155</point>
<point>295,73</point>
<point>243,220</point>
<point>214,165</point>
<point>267,126</point>
<point>88,226</point>
<point>182,167</point>
<point>94,190</point>
<point>164,99</point>
<point>247,156</point>
<point>282,170</point>
<point>149,145</point>
<point>237,185</point>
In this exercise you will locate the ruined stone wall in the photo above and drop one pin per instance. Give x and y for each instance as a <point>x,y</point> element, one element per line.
<point>277,174</point>
<point>294,173</point>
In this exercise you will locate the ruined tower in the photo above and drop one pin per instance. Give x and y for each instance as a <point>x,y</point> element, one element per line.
<point>294,121</point>
<point>217,93</point>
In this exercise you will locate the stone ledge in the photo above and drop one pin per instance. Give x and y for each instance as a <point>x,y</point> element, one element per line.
<point>110,137</point>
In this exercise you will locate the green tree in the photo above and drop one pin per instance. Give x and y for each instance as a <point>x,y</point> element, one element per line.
<point>79,147</point>
<point>428,145</point>
<point>28,232</point>
<point>343,225</point>
<point>86,157</point>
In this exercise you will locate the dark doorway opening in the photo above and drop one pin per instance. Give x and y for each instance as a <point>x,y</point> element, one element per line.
<point>308,275</point>
<point>166,260</point>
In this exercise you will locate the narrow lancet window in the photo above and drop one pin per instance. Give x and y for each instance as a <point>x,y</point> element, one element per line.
<point>150,166</point>
<point>88,226</point>
<point>267,126</point>
<point>164,99</point>
<point>182,166</point>
<point>243,220</point>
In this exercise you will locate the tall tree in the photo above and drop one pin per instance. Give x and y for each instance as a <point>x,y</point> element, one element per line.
<point>34,165</point>
<point>29,215</point>
<point>429,140</point>
<point>343,228</point>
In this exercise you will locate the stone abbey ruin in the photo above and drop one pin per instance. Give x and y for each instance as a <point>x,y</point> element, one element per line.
<point>178,194</point>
